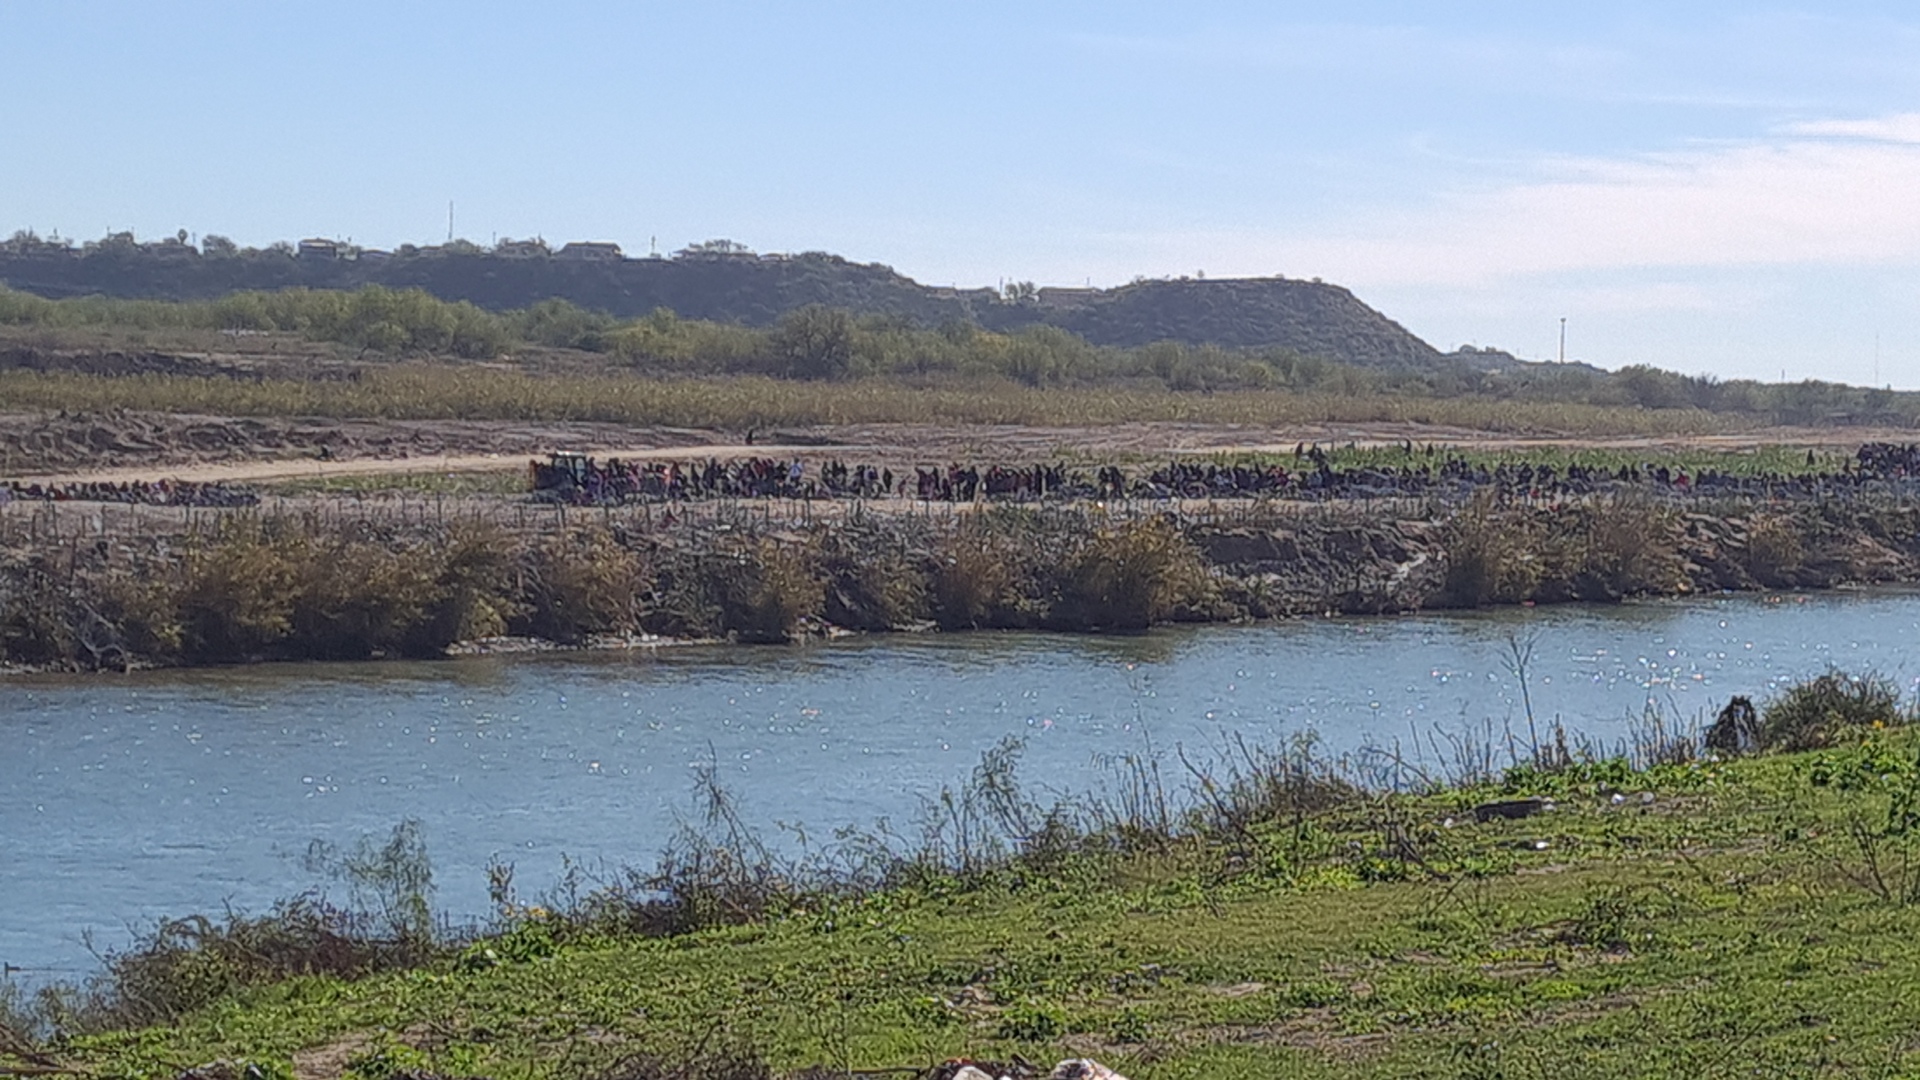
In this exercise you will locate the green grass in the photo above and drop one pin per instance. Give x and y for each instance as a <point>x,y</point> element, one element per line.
<point>508,481</point>
<point>1722,928</point>
<point>1772,459</point>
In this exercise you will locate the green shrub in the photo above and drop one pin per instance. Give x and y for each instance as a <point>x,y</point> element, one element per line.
<point>388,1059</point>
<point>1774,549</point>
<point>475,589</point>
<point>1032,1021</point>
<point>185,964</point>
<point>1627,548</point>
<point>872,584</point>
<point>1821,711</point>
<point>768,590</point>
<point>355,599</point>
<point>276,589</point>
<point>1606,920</point>
<point>238,598</point>
<point>583,583</point>
<point>38,622</point>
<point>1492,558</point>
<point>1131,576</point>
<point>976,578</point>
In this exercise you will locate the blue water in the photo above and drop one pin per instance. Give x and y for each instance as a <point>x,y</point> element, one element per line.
<point>123,799</point>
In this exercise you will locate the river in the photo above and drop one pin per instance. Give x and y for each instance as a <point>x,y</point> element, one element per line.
<point>125,798</point>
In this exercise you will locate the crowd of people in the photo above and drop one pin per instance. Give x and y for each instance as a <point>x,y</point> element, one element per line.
<point>134,492</point>
<point>1311,473</point>
<point>579,479</point>
<point>1889,460</point>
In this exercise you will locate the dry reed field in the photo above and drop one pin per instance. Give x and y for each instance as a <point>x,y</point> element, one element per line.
<point>482,392</point>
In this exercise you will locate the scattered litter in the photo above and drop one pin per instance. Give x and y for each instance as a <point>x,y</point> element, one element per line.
<point>1070,1069</point>
<point>1083,1069</point>
<point>1511,809</point>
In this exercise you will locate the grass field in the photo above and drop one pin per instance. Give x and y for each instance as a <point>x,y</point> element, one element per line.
<point>1763,460</point>
<point>496,482</point>
<point>473,392</point>
<point>1749,918</point>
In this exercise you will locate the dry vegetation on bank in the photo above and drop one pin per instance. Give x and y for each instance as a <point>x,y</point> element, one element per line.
<point>741,403</point>
<point>241,586</point>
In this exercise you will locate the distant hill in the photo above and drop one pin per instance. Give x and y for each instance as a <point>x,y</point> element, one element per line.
<point>1308,318</point>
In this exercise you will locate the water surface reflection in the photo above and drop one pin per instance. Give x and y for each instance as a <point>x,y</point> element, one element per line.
<point>125,798</point>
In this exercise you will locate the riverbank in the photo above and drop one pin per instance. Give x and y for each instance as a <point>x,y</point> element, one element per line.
<point>233,587</point>
<point>1650,915</point>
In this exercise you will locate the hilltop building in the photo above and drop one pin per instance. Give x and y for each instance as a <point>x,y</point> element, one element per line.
<point>591,251</point>
<point>1056,297</point>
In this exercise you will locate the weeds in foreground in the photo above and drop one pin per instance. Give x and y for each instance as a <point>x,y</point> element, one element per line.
<point>187,963</point>
<point>20,1055</point>
<point>1250,822</point>
<point>392,880</point>
<point>1880,828</point>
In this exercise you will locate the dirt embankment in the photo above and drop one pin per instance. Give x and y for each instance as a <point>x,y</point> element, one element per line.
<point>297,586</point>
<point>116,362</point>
<point>1600,554</point>
<point>128,445</point>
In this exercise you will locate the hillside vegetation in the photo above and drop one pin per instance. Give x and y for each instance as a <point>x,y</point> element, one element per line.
<point>65,343</point>
<point>723,282</point>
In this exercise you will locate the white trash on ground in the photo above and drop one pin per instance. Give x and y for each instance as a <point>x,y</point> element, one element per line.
<point>1071,1069</point>
<point>1083,1069</point>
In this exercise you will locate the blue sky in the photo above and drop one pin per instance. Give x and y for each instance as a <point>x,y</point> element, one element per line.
<point>1714,187</point>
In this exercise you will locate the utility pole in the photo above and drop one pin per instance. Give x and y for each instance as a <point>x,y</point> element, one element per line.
<point>449,221</point>
<point>1563,339</point>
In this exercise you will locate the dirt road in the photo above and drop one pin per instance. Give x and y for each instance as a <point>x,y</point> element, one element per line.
<point>312,468</point>
<point>128,446</point>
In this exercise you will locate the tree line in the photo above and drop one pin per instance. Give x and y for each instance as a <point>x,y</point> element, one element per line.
<point>824,343</point>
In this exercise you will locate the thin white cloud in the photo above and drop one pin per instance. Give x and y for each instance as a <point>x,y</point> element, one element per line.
<point>1828,193</point>
<point>1899,128</point>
